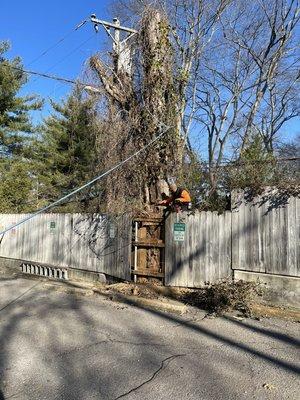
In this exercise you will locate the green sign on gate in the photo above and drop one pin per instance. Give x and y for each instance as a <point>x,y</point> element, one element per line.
<point>179,232</point>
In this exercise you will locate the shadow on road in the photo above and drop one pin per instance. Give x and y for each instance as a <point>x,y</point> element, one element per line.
<point>225,340</point>
<point>31,315</point>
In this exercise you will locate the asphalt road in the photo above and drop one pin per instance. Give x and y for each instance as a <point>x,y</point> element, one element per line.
<point>59,345</point>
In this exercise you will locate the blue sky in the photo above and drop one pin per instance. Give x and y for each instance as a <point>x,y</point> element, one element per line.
<point>32,26</point>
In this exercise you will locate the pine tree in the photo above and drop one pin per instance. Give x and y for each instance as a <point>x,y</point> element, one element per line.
<point>16,187</point>
<point>256,168</point>
<point>66,152</point>
<point>16,136</point>
<point>16,128</point>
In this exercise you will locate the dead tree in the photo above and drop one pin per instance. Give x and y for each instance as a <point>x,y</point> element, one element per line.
<point>143,103</point>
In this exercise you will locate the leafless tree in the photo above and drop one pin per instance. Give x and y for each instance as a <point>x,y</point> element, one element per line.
<point>249,78</point>
<point>192,25</point>
<point>280,105</point>
<point>227,69</point>
<point>268,38</point>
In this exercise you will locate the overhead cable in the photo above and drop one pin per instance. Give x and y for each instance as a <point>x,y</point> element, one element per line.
<point>51,47</point>
<point>67,55</point>
<point>98,88</point>
<point>97,178</point>
<point>53,77</point>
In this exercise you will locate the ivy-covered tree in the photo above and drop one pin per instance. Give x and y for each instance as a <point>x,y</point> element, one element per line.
<point>142,101</point>
<point>66,151</point>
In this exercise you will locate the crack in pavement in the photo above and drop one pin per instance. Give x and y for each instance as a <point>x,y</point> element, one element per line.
<point>170,358</point>
<point>13,395</point>
<point>105,341</point>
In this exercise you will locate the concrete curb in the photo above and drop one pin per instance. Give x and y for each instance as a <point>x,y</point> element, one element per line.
<point>151,304</point>
<point>86,289</point>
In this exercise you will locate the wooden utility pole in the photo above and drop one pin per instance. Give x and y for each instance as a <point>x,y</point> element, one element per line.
<point>120,46</point>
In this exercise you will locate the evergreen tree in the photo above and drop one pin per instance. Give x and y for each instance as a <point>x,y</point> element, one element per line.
<point>16,128</point>
<point>16,187</point>
<point>256,167</point>
<point>16,136</point>
<point>66,151</point>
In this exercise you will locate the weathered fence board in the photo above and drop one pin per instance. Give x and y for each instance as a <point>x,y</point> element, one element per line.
<point>205,253</point>
<point>266,234</point>
<point>95,242</point>
<point>258,235</point>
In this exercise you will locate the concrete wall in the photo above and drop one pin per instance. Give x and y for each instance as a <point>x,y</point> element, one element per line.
<point>277,289</point>
<point>9,268</point>
<point>12,268</point>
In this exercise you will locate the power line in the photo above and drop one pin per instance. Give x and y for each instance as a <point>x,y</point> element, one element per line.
<point>97,89</point>
<point>53,77</point>
<point>62,39</point>
<point>67,55</point>
<point>233,164</point>
<point>59,201</point>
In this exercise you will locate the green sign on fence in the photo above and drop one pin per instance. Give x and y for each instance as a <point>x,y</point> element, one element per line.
<point>179,232</point>
<point>52,227</point>
<point>112,231</point>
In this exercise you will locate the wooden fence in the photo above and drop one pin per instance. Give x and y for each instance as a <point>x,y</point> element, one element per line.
<point>258,235</point>
<point>266,233</point>
<point>205,253</point>
<point>95,243</point>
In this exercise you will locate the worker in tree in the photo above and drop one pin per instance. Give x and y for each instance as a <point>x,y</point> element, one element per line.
<point>179,199</point>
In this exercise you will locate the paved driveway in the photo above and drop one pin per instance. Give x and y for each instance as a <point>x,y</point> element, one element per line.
<point>59,345</point>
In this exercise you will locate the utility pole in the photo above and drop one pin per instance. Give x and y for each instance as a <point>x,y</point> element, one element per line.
<point>121,48</point>
<point>116,45</point>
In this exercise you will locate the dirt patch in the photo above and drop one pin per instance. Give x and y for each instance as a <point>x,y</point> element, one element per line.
<point>141,290</point>
<point>268,311</point>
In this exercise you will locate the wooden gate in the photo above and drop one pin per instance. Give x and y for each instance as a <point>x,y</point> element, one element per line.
<point>148,249</point>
